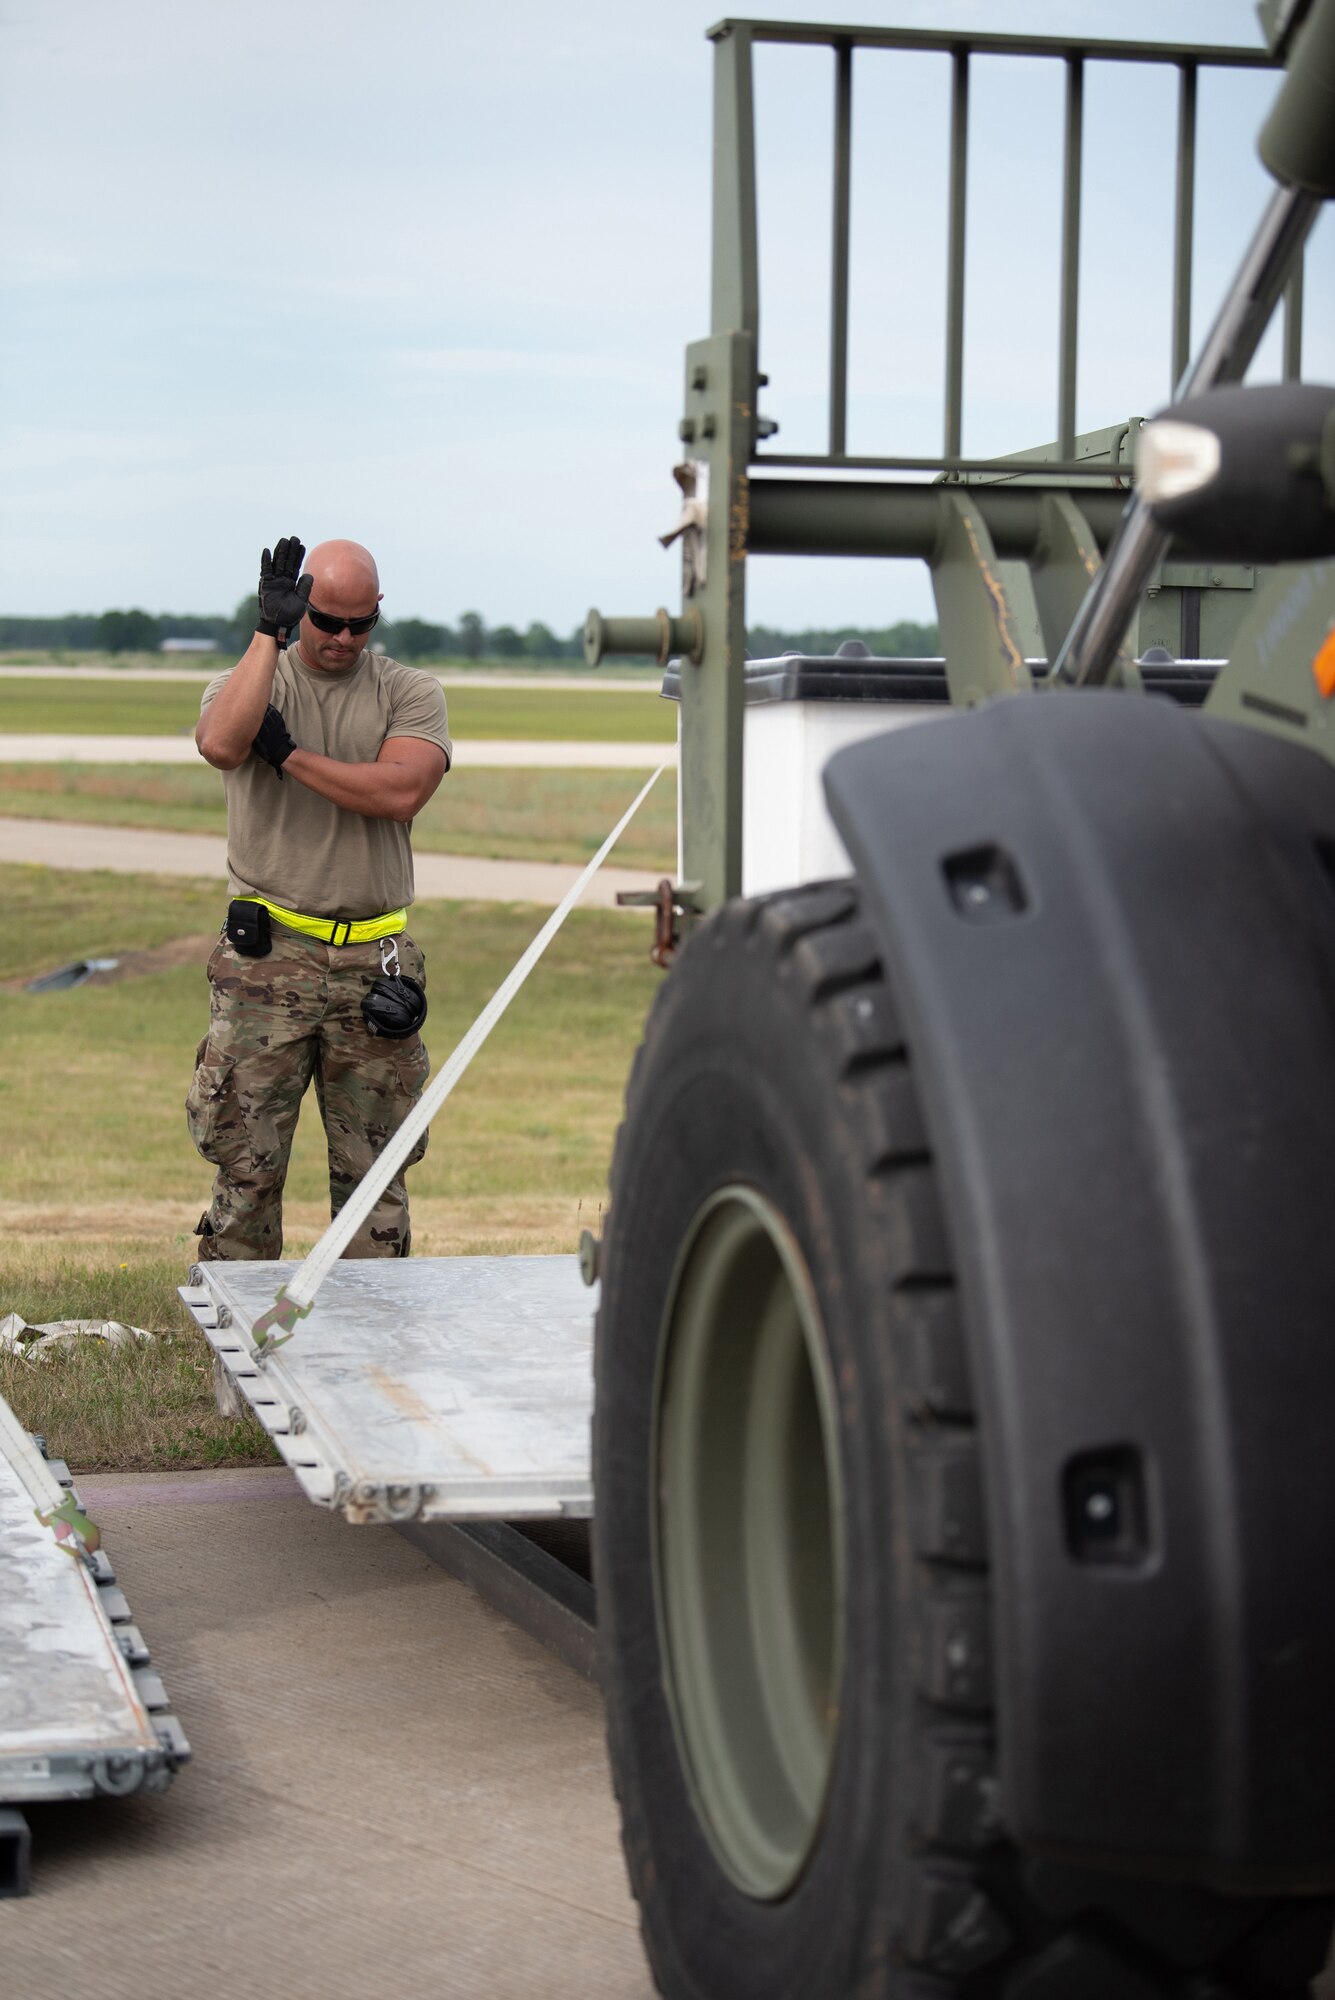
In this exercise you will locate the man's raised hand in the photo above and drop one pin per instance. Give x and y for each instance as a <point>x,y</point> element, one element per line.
<point>283,589</point>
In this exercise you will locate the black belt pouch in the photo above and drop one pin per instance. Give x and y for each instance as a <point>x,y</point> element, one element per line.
<point>248,929</point>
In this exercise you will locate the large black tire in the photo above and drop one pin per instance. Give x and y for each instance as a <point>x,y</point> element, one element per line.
<point>774,1066</point>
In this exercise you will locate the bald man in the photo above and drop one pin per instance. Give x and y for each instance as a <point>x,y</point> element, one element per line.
<point>327,751</point>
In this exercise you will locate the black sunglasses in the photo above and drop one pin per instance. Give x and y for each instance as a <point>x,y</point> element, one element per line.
<point>324,621</point>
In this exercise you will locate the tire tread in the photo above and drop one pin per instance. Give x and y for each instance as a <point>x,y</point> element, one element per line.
<point>979,1920</point>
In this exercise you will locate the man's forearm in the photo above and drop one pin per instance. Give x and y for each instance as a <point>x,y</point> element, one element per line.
<point>377,791</point>
<point>228,725</point>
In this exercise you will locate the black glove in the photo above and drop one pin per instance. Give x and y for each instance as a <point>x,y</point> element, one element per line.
<point>283,589</point>
<point>272,741</point>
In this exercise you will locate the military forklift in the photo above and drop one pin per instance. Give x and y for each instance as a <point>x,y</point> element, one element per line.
<point>964,1435</point>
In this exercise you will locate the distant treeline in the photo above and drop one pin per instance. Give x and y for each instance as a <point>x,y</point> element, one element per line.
<point>139,631</point>
<point>471,638</point>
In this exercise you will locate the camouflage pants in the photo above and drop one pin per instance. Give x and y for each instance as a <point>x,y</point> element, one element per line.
<point>276,1024</point>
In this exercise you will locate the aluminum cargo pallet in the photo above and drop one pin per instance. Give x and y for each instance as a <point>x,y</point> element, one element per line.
<point>81,1710</point>
<point>422,1388</point>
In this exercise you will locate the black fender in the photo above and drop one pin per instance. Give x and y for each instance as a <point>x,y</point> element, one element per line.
<point>1111,925</point>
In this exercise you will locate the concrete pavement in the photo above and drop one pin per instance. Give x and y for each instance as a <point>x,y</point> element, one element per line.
<point>394,1791</point>
<point>55,843</point>
<point>17,747</point>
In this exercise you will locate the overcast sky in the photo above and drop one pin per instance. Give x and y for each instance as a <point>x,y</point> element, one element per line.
<point>421,273</point>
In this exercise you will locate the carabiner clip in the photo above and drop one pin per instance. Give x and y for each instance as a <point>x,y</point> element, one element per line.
<point>389,957</point>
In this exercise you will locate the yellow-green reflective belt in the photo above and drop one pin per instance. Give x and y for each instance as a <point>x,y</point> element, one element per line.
<point>333,930</point>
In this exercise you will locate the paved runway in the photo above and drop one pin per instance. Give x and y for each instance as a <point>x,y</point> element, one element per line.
<point>395,1795</point>
<point>128,850</point>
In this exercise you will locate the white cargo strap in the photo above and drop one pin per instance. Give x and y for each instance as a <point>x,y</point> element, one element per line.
<point>295,1300</point>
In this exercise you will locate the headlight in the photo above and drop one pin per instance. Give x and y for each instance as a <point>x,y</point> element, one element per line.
<point>1174,459</point>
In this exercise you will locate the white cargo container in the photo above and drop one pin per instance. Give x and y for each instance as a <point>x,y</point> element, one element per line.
<point>800,709</point>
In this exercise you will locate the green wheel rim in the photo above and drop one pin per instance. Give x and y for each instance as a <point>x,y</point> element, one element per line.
<point>748,1539</point>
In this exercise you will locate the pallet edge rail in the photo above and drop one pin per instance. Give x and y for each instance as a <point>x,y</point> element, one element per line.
<point>85,1716</point>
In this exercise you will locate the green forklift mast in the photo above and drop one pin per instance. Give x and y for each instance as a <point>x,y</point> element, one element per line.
<point>986,527</point>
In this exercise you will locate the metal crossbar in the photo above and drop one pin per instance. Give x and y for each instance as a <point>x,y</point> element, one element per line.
<point>736,294</point>
<point>980,42</point>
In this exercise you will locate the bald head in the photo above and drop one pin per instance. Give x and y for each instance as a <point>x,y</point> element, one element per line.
<point>342,568</point>
<point>345,584</point>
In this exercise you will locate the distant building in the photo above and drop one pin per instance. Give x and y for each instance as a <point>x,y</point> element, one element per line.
<point>188,646</point>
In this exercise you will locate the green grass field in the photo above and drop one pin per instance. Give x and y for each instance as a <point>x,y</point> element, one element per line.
<point>100,1186</point>
<point>488,711</point>
<point>149,1407</point>
<point>518,815</point>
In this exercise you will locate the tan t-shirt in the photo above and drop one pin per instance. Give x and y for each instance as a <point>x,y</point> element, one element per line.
<point>288,844</point>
